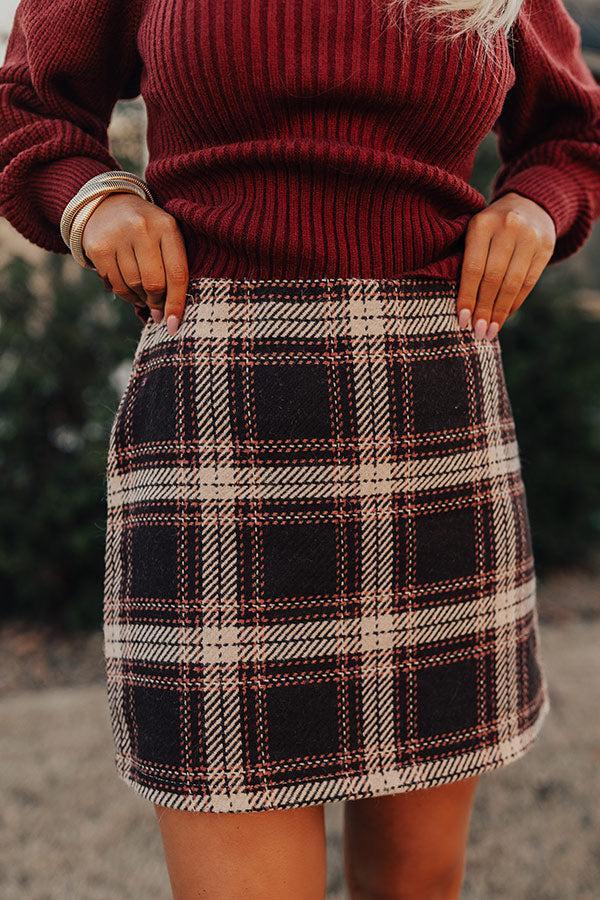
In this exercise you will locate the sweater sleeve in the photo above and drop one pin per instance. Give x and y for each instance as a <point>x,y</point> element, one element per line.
<point>67,63</point>
<point>549,128</point>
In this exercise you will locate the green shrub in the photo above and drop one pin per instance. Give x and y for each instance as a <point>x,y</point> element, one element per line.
<point>58,356</point>
<point>551,356</point>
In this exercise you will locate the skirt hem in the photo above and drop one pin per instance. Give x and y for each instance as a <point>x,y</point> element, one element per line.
<point>377,784</point>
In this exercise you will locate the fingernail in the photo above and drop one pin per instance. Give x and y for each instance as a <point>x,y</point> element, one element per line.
<point>172,324</point>
<point>156,314</point>
<point>480,329</point>
<point>492,331</point>
<point>464,317</point>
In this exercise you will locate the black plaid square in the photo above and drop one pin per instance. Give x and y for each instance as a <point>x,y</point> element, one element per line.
<point>303,719</point>
<point>452,709</point>
<point>319,580</point>
<point>171,732</point>
<point>157,421</point>
<point>298,559</point>
<point>153,551</point>
<point>446,542</point>
<point>445,547</point>
<point>292,402</point>
<point>436,390</point>
<point>157,711</point>
<point>160,564</point>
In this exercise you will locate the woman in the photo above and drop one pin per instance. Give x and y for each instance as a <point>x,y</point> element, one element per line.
<point>319,575</point>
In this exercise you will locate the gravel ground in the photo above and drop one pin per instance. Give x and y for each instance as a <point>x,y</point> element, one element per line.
<point>72,829</point>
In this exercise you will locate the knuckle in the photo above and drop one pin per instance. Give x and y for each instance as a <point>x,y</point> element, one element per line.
<point>491,276</point>
<point>169,222</point>
<point>137,223</point>
<point>531,234</point>
<point>153,285</point>
<point>480,223</point>
<point>472,267</point>
<point>547,243</point>
<point>178,273</point>
<point>98,248</point>
<point>514,220</point>
<point>512,285</point>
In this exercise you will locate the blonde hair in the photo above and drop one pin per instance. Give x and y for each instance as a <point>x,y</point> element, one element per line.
<point>481,18</point>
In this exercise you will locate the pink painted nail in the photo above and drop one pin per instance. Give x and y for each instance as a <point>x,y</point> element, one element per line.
<point>492,331</point>
<point>480,329</point>
<point>172,324</point>
<point>156,315</point>
<point>464,317</point>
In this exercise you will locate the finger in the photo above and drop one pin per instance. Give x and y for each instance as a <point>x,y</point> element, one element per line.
<point>502,247</point>
<point>537,266</point>
<point>477,242</point>
<point>177,275</point>
<point>130,272</point>
<point>111,272</point>
<point>512,284</point>
<point>152,272</point>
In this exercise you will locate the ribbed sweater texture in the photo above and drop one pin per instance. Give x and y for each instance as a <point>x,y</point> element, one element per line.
<point>300,138</point>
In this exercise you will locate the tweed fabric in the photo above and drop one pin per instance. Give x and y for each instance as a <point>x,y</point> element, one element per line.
<point>319,579</point>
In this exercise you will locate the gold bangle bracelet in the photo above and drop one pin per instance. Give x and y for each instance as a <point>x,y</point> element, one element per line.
<point>79,223</point>
<point>92,188</point>
<point>118,173</point>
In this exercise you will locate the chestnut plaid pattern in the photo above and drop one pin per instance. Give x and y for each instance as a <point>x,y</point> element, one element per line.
<point>319,579</point>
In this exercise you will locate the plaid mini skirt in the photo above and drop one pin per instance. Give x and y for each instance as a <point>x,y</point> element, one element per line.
<point>319,580</point>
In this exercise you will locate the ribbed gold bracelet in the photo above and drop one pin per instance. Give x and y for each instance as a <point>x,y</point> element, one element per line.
<point>105,182</point>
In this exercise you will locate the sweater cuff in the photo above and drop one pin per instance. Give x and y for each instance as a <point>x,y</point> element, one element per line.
<point>53,184</point>
<point>558,191</point>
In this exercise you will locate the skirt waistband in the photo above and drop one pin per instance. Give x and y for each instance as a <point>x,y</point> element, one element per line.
<point>314,308</point>
<point>415,286</point>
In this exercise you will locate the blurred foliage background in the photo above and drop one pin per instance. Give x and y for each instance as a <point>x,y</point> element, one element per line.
<point>65,352</point>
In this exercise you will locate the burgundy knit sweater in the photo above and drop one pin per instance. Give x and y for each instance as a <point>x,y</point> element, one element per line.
<point>299,138</point>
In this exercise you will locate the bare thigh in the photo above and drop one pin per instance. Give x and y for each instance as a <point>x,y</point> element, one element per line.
<point>409,845</point>
<point>225,856</point>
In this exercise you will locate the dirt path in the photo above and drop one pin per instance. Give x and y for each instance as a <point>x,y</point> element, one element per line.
<point>72,829</point>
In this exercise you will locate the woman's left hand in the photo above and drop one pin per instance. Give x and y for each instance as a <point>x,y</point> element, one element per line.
<point>508,245</point>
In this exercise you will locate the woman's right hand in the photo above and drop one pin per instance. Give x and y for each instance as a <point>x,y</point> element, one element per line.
<point>139,250</point>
